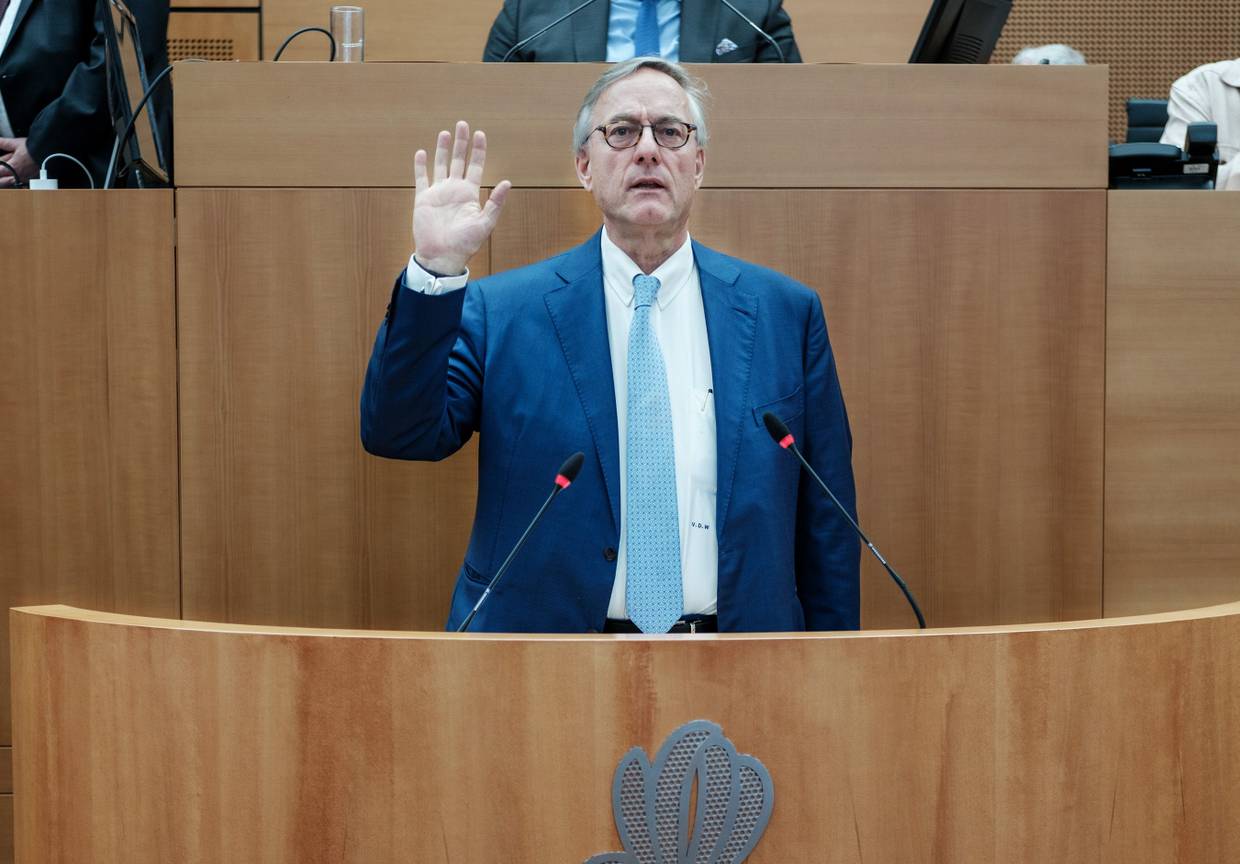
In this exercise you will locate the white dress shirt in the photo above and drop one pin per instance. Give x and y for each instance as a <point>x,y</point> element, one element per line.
<point>679,321</point>
<point>6,30</point>
<point>1209,94</point>
<point>622,27</point>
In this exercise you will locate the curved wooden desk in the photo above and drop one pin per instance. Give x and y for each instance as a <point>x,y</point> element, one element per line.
<point>147,740</point>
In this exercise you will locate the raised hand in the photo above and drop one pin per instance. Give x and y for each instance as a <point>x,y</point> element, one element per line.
<point>449,226</point>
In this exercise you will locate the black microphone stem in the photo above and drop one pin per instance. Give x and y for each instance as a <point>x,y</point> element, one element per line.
<point>767,36</point>
<point>921,621</point>
<point>528,39</point>
<point>503,567</point>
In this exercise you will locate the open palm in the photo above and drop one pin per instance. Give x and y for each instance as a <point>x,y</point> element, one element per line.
<point>449,225</point>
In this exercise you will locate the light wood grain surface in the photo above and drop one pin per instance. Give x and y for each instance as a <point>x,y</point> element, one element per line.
<point>920,126</point>
<point>88,429</point>
<point>1101,741</point>
<point>846,31</point>
<point>286,519</point>
<point>1173,400</point>
<point>968,328</point>
<point>222,35</point>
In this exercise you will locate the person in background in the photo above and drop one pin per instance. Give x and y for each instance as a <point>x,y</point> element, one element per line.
<point>1049,55</point>
<point>685,31</point>
<point>1209,94</point>
<point>52,90</point>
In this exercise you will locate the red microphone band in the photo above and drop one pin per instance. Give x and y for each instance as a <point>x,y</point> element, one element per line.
<point>562,481</point>
<point>787,441</point>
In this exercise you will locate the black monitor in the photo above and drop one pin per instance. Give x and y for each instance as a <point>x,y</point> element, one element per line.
<point>143,153</point>
<point>961,31</point>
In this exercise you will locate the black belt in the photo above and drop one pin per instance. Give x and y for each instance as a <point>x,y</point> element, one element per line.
<point>687,624</point>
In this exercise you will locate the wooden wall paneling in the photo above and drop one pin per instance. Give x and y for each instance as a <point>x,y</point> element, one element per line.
<point>6,829</point>
<point>1173,400</point>
<point>211,4</point>
<point>855,31</point>
<point>221,35</point>
<point>1109,742</point>
<point>395,30</point>
<point>286,519</point>
<point>1145,45</point>
<point>969,331</point>
<point>88,431</point>
<point>925,126</point>
<point>848,31</point>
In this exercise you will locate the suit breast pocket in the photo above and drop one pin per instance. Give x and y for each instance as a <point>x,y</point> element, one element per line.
<point>787,408</point>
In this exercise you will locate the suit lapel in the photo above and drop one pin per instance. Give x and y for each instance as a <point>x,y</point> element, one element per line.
<point>698,20</point>
<point>579,317</point>
<point>731,322</point>
<point>590,31</point>
<point>23,7</point>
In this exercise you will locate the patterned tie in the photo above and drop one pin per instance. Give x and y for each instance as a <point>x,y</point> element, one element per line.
<point>646,34</point>
<point>653,594</point>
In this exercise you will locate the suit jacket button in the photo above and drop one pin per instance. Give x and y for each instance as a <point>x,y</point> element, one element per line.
<point>609,553</point>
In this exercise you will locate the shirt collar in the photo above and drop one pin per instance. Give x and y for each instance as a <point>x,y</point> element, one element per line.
<point>1231,74</point>
<point>619,270</point>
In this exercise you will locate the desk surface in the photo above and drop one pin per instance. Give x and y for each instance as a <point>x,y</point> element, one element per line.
<point>805,126</point>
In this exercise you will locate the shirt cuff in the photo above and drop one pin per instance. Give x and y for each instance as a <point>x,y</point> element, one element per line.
<point>417,279</point>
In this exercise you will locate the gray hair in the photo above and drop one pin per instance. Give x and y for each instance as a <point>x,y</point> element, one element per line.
<point>694,88</point>
<point>1053,55</point>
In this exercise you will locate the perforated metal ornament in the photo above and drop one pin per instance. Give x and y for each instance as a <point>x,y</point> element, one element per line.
<point>651,802</point>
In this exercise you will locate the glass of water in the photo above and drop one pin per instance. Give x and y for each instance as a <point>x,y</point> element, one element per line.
<point>347,30</point>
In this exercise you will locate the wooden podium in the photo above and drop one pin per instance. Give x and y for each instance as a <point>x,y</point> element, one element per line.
<point>150,741</point>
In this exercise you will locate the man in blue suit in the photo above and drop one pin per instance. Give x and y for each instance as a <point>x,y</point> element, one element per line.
<point>655,356</point>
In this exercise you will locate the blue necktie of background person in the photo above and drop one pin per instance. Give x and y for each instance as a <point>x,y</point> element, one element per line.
<point>646,33</point>
<point>653,594</point>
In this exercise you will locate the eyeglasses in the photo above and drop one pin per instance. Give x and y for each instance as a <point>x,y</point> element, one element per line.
<point>622,135</point>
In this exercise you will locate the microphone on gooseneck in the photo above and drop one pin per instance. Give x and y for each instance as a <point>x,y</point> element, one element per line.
<point>779,433</point>
<point>563,479</point>
<point>767,36</point>
<point>528,39</point>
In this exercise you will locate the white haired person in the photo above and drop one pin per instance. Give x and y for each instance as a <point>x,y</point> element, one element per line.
<point>1209,94</point>
<point>1049,55</point>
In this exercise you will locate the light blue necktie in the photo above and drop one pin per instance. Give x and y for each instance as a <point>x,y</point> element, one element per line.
<point>653,593</point>
<point>646,33</point>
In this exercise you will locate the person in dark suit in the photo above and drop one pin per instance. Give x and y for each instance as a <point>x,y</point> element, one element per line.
<point>655,356</point>
<point>685,31</point>
<point>53,88</point>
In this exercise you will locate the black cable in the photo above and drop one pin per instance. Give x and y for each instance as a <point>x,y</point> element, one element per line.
<point>17,180</point>
<point>297,33</point>
<point>133,119</point>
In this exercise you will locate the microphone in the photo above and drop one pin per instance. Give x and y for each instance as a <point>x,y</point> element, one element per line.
<point>759,30</point>
<point>528,39</point>
<point>780,435</point>
<point>563,479</point>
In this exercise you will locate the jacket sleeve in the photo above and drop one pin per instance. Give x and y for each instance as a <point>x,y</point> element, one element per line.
<point>779,25</point>
<point>77,121</point>
<point>1183,107</point>
<point>503,33</point>
<point>828,552</point>
<point>423,387</point>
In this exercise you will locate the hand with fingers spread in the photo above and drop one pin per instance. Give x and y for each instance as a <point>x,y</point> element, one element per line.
<point>449,225</point>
